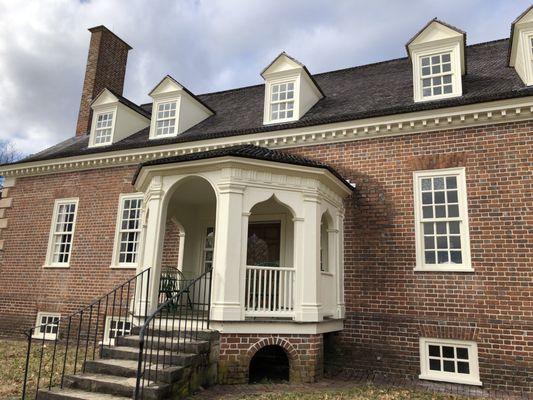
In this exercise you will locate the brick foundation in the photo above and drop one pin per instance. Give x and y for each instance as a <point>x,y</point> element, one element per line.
<point>305,354</point>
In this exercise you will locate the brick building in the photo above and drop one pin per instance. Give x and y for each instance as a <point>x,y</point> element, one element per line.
<point>375,218</point>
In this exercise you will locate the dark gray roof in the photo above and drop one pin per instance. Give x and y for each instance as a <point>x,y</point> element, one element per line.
<point>244,151</point>
<point>127,103</point>
<point>372,90</point>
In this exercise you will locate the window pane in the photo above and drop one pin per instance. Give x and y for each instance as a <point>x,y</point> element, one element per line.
<point>429,257</point>
<point>462,353</point>
<point>427,212</point>
<point>429,242</point>
<point>439,197</point>
<point>434,351</point>
<point>448,366</point>
<point>463,367</point>
<point>434,365</point>
<point>453,211</point>
<point>456,257</point>
<point>448,352</point>
<point>442,257</point>
<point>440,211</point>
<point>428,228</point>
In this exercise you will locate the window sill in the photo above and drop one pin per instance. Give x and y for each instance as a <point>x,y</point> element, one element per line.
<point>44,337</point>
<point>444,269</point>
<point>52,266</point>
<point>451,380</point>
<point>123,266</point>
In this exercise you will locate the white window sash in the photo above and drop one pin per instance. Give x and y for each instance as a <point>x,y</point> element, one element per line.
<point>279,102</point>
<point>99,131</point>
<point>116,263</point>
<point>56,234</point>
<point>108,340</point>
<point>174,118</point>
<point>466,265</point>
<point>37,334</point>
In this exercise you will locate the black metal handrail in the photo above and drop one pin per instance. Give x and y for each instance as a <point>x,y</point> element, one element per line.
<point>85,333</point>
<point>189,309</point>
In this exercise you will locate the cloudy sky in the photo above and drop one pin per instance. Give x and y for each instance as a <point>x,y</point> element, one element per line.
<point>208,45</point>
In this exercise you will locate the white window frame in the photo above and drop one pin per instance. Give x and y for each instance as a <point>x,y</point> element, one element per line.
<point>459,173</point>
<point>115,263</point>
<point>96,129</point>
<point>268,96</point>
<point>37,334</point>
<point>107,328</point>
<point>50,250</point>
<point>454,377</point>
<point>454,52</point>
<point>153,125</point>
<point>175,118</point>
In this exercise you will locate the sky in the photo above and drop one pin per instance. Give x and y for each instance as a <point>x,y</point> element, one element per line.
<point>207,45</point>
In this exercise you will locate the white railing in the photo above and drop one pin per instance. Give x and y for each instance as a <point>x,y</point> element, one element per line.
<point>269,291</point>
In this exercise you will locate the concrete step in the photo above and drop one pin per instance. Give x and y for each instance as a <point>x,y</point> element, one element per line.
<point>201,334</point>
<point>163,356</point>
<point>186,345</point>
<point>56,393</point>
<point>115,385</point>
<point>128,369</point>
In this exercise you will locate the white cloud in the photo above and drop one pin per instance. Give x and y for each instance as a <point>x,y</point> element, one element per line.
<point>206,45</point>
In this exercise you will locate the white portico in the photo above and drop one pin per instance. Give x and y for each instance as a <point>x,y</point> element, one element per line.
<point>270,225</point>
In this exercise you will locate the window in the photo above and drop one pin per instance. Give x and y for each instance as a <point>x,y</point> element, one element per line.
<point>442,220</point>
<point>166,119</point>
<point>104,128</point>
<point>47,326</point>
<point>282,101</point>
<point>449,361</point>
<point>114,328</point>
<point>324,245</point>
<point>436,75</point>
<point>62,233</point>
<point>128,231</point>
<point>209,248</point>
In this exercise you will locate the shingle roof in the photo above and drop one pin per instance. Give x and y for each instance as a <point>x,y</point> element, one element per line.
<point>245,151</point>
<point>372,90</point>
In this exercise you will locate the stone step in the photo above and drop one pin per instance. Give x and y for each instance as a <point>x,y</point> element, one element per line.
<point>128,369</point>
<point>186,345</point>
<point>115,385</point>
<point>202,334</point>
<point>56,393</point>
<point>163,356</point>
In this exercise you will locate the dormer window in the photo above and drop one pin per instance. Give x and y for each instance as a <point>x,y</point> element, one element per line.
<point>166,119</point>
<point>436,75</point>
<point>437,54</point>
<point>282,101</point>
<point>104,128</point>
<point>521,54</point>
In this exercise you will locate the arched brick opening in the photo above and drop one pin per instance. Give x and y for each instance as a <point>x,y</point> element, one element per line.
<point>289,350</point>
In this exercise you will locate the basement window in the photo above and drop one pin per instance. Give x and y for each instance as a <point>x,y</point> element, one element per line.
<point>449,361</point>
<point>442,221</point>
<point>103,132</point>
<point>47,326</point>
<point>115,327</point>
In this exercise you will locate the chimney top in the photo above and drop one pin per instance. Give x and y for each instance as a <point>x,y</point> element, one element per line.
<point>106,68</point>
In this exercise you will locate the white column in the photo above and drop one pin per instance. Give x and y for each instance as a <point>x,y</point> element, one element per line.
<point>154,217</point>
<point>307,243</point>
<point>226,298</point>
<point>339,248</point>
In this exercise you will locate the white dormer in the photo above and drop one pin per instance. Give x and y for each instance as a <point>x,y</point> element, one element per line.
<point>114,118</point>
<point>437,55</point>
<point>290,90</point>
<point>174,109</point>
<point>521,54</point>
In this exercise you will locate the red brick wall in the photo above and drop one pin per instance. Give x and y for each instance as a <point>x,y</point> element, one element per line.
<point>171,245</point>
<point>26,287</point>
<point>305,354</point>
<point>388,305</point>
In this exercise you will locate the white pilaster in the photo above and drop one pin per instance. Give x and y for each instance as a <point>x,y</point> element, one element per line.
<point>226,298</point>
<point>339,243</point>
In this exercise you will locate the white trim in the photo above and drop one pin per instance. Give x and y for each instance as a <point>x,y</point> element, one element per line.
<point>47,336</point>
<point>115,264</point>
<point>49,252</point>
<point>107,327</point>
<point>97,112</point>
<point>275,327</point>
<point>295,100</point>
<point>172,98</point>
<point>489,113</point>
<point>459,173</point>
<point>468,379</point>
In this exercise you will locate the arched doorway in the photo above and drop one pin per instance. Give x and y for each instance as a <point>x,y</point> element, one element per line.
<point>269,364</point>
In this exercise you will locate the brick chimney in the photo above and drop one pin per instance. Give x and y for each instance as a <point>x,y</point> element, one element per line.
<point>106,67</point>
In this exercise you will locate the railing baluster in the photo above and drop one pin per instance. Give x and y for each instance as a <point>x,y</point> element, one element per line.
<point>88,336</point>
<point>40,362</point>
<point>96,328</point>
<point>53,362</point>
<point>78,342</point>
<point>25,384</point>
<point>66,351</point>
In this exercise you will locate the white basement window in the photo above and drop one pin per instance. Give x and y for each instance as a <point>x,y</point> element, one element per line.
<point>282,101</point>
<point>436,75</point>
<point>128,231</point>
<point>47,326</point>
<point>166,119</point>
<point>103,132</point>
<point>61,233</point>
<point>449,361</point>
<point>441,216</point>
<point>115,327</point>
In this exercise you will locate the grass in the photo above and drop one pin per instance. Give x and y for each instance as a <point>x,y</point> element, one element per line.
<point>13,356</point>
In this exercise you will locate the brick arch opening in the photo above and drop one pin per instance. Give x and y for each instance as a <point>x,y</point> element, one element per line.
<point>272,359</point>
